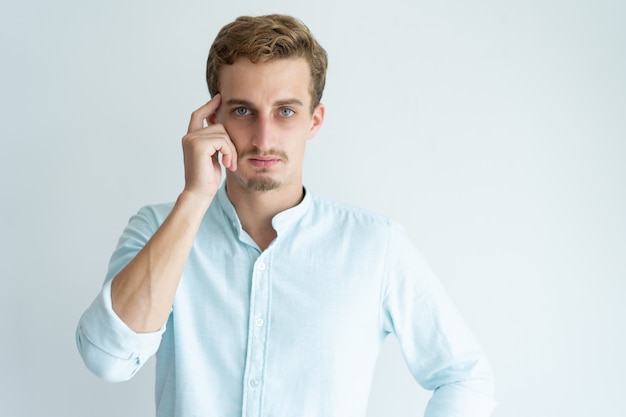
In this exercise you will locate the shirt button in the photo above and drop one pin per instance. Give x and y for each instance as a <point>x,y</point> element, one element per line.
<point>259,322</point>
<point>253,382</point>
<point>261,266</point>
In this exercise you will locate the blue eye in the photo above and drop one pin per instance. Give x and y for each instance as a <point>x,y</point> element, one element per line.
<point>242,111</point>
<point>286,112</point>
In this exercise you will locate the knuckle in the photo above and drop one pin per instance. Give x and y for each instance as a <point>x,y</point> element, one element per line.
<point>186,139</point>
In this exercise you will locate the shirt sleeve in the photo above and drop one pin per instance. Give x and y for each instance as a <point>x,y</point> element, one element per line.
<point>441,352</point>
<point>109,348</point>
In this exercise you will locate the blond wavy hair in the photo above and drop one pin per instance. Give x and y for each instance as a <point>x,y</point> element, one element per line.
<point>265,38</point>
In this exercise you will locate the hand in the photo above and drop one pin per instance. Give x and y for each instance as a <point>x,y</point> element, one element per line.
<point>201,148</point>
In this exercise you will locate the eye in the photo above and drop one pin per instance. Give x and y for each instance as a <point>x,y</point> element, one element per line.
<point>286,112</point>
<point>242,111</point>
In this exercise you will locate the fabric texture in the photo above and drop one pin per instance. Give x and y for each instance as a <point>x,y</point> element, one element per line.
<point>294,330</point>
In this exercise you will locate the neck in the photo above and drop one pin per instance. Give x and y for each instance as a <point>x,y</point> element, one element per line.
<point>256,209</point>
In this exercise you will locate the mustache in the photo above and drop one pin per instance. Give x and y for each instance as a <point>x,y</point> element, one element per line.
<point>271,152</point>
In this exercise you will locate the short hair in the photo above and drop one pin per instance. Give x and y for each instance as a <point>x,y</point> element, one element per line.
<point>265,38</point>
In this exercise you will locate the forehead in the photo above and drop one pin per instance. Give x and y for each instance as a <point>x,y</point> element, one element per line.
<point>279,79</point>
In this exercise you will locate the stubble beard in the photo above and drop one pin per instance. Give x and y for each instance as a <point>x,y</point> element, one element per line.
<point>263,183</point>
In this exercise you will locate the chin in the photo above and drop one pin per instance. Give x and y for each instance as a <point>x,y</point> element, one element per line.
<point>262,184</point>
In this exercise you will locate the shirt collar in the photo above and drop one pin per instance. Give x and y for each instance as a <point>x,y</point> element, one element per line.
<point>281,222</point>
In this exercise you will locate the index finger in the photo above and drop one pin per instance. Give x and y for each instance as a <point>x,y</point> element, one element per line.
<point>198,116</point>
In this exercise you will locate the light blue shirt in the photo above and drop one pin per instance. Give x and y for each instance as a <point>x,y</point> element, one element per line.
<point>294,330</point>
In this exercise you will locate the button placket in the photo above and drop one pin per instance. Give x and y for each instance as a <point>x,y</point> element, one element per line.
<point>257,334</point>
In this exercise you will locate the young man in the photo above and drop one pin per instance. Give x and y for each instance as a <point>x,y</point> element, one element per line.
<point>259,297</point>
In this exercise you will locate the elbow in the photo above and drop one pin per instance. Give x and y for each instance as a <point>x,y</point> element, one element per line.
<point>104,365</point>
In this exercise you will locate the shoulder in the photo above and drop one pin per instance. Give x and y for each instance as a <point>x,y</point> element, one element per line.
<point>346,214</point>
<point>152,214</point>
<point>159,209</point>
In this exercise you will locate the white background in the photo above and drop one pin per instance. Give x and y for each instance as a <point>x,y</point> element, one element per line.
<point>495,131</point>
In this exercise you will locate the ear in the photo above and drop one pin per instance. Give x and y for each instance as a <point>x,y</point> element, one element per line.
<point>317,118</point>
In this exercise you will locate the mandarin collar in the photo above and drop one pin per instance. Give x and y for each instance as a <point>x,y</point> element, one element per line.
<point>281,221</point>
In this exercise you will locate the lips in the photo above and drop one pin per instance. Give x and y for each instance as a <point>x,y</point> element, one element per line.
<point>263,162</point>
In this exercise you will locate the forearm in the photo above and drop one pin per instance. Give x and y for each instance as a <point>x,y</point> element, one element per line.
<point>142,293</point>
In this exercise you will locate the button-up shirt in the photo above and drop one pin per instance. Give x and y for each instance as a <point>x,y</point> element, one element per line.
<point>295,329</point>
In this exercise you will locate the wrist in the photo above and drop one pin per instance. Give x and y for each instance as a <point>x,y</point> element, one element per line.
<point>193,199</point>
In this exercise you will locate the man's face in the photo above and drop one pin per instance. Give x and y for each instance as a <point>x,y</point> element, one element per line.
<point>266,110</point>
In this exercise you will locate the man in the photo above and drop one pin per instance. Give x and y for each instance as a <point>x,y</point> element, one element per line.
<point>259,297</point>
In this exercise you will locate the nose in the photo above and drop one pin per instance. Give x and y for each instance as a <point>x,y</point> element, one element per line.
<point>263,137</point>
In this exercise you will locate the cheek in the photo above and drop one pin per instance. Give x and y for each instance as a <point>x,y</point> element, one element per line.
<point>297,144</point>
<point>236,132</point>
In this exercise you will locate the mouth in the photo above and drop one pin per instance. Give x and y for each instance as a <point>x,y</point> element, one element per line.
<point>263,162</point>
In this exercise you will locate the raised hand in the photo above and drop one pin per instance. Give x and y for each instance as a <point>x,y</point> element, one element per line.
<point>202,146</point>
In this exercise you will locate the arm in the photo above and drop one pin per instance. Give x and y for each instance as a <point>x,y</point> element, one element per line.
<point>123,326</point>
<point>143,292</point>
<point>440,350</point>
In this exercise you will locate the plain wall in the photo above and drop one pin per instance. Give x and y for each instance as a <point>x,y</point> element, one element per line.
<point>494,131</point>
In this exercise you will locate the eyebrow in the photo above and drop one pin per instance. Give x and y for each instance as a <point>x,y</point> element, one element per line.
<point>285,102</point>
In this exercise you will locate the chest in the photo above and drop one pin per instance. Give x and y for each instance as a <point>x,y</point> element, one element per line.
<point>295,286</point>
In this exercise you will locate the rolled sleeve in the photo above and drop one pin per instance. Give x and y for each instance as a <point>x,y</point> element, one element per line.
<point>108,346</point>
<point>461,399</point>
